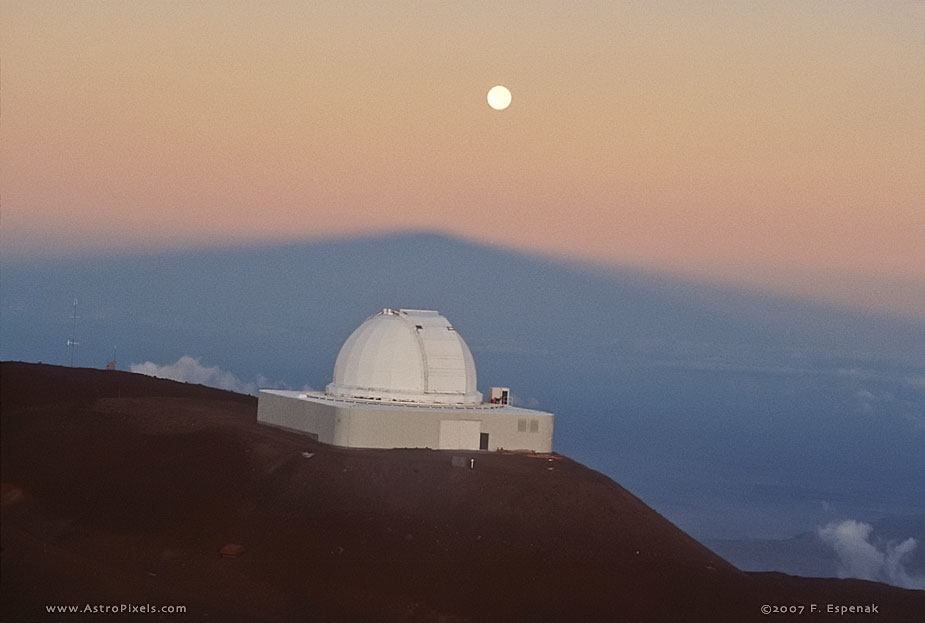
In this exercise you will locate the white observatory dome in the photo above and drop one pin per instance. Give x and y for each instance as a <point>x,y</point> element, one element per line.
<point>406,355</point>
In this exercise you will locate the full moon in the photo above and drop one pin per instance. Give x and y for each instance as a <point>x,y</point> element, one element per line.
<point>499,97</point>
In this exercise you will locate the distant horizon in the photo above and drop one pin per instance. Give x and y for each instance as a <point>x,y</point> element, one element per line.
<point>800,287</point>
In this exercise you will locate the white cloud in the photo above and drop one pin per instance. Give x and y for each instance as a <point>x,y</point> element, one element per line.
<point>190,370</point>
<point>859,558</point>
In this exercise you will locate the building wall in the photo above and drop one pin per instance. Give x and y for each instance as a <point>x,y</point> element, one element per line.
<point>503,430</point>
<point>373,426</point>
<point>286,410</point>
<point>378,427</point>
<point>385,427</point>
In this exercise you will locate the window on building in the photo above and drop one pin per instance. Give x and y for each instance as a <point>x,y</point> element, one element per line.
<point>534,426</point>
<point>521,426</point>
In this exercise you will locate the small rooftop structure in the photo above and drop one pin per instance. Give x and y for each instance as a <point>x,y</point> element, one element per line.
<point>405,378</point>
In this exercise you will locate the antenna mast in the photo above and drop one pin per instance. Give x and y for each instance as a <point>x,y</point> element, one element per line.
<point>72,342</point>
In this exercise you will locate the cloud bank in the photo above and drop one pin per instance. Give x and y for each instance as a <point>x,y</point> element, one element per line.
<point>858,557</point>
<point>190,370</point>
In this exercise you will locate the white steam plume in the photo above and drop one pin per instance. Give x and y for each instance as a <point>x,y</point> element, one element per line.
<point>859,558</point>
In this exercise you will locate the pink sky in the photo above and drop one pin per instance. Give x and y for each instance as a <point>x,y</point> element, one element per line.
<point>777,145</point>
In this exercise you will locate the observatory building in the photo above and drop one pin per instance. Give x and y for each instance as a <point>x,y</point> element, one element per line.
<point>406,379</point>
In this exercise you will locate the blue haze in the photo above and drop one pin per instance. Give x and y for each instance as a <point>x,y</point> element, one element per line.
<point>733,413</point>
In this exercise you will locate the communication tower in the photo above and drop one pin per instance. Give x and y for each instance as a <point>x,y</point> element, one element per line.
<point>72,343</point>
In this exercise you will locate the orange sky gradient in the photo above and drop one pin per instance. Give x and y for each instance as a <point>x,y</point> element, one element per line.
<point>777,145</point>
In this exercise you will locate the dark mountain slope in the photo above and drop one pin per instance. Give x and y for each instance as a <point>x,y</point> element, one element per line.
<point>119,489</point>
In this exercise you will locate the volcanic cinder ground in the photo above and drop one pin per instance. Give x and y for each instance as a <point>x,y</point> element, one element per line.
<point>122,489</point>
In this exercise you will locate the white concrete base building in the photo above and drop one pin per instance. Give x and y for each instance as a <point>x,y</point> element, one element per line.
<point>406,379</point>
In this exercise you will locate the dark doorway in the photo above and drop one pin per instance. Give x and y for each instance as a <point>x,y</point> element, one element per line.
<point>483,441</point>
